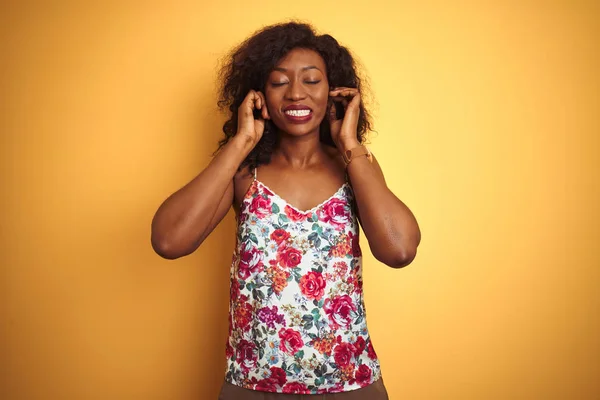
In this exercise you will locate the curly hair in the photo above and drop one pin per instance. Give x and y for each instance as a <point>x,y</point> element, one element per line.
<point>248,66</point>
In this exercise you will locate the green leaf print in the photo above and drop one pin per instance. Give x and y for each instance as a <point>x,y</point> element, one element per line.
<point>315,313</point>
<point>296,368</point>
<point>258,294</point>
<point>275,208</point>
<point>253,238</point>
<point>308,325</point>
<point>299,354</point>
<point>283,219</point>
<point>296,273</point>
<point>307,317</point>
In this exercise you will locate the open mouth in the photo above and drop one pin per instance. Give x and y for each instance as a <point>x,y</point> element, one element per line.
<point>298,114</point>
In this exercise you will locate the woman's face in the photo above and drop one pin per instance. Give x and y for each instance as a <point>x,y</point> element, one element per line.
<point>297,92</point>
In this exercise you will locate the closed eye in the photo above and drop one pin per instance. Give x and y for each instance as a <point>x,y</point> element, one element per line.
<point>278,83</point>
<point>312,82</point>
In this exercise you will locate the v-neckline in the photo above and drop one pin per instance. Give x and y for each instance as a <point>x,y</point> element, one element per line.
<point>307,212</point>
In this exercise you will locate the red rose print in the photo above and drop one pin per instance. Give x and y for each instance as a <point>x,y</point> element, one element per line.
<point>277,379</point>
<point>343,353</point>
<point>278,376</point>
<point>340,310</point>
<point>260,206</point>
<point>228,350</point>
<point>234,288</point>
<point>250,261</point>
<point>246,355</point>
<point>371,351</point>
<point>363,375</point>
<point>336,212</point>
<point>289,256</point>
<point>296,387</point>
<point>312,285</point>
<point>294,214</point>
<point>242,218</point>
<point>280,235</point>
<point>291,341</point>
<point>358,284</point>
<point>356,251</point>
<point>266,385</point>
<point>359,345</point>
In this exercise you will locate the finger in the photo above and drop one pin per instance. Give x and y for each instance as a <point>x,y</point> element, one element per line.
<point>341,88</point>
<point>257,101</point>
<point>344,92</point>
<point>248,104</point>
<point>348,93</point>
<point>264,110</point>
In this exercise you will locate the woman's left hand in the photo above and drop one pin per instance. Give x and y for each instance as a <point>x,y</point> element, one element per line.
<point>343,131</point>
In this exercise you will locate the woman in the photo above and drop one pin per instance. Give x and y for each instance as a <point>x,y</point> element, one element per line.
<point>293,166</point>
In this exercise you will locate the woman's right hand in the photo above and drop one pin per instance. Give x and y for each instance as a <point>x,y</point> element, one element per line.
<point>249,127</point>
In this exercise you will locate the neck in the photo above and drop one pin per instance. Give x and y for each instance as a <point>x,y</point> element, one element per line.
<point>299,152</point>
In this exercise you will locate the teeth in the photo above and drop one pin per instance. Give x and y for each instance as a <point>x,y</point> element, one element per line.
<point>298,113</point>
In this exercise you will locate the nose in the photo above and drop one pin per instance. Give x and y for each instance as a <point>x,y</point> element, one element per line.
<point>295,91</point>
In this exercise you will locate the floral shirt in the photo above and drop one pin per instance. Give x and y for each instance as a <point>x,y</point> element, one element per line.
<point>296,313</point>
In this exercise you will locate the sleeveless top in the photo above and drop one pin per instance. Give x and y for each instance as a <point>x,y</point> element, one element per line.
<point>297,319</point>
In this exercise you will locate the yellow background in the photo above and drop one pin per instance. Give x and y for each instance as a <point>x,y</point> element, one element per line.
<point>488,129</point>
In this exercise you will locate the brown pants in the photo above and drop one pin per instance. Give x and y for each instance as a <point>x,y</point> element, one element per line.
<point>375,391</point>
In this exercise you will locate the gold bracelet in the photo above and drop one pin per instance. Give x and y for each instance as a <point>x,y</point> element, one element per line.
<point>361,150</point>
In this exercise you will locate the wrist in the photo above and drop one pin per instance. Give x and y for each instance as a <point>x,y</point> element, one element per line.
<point>243,143</point>
<point>346,145</point>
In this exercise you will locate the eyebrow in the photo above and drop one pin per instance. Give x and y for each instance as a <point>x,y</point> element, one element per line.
<point>303,69</point>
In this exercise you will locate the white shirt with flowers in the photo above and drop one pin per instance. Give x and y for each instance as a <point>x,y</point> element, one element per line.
<point>297,315</point>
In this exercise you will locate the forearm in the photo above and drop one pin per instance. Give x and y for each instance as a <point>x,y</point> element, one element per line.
<point>389,225</point>
<point>183,218</point>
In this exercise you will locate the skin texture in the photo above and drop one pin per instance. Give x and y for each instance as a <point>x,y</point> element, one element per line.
<point>302,170</point>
